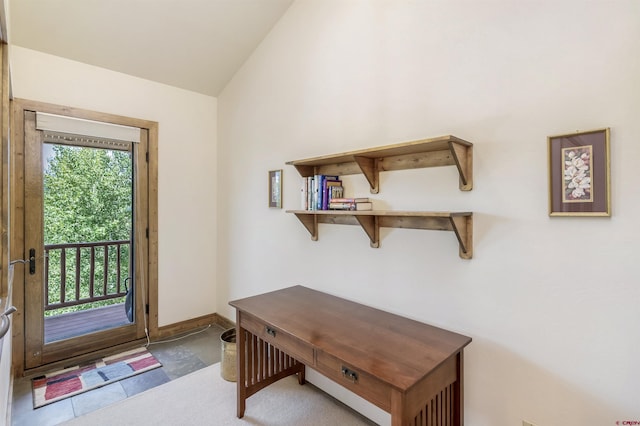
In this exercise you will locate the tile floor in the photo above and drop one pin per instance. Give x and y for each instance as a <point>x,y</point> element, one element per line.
<point>178,358</point>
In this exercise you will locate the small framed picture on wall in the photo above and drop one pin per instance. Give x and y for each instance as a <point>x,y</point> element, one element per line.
<point>579,170</point>
<point>275,189</point>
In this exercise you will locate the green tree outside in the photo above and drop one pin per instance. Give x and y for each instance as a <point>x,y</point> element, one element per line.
<point>87,198</point>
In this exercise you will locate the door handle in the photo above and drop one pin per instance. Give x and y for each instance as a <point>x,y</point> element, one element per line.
<point>32,261</point>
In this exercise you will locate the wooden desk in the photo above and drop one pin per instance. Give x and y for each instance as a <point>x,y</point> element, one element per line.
<point>410,369</point>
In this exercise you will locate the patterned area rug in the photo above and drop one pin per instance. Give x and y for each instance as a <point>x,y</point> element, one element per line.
<point>74,380</point>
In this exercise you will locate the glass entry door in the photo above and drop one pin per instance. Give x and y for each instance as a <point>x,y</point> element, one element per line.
<point>86,263</point>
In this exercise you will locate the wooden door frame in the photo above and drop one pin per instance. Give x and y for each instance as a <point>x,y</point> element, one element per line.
<point>4,162</point>
<point>17,191</point>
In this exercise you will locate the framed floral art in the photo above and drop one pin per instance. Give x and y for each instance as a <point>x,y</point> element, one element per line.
<point>579,174</point>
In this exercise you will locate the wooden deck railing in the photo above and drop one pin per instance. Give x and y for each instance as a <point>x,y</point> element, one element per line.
<point>95,274</point>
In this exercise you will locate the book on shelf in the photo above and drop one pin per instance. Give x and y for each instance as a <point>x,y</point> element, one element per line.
<point>316,198</point>
<point>304,194</point>
<point>327,183</point>
<point>334,191</point>
<point>351,200</point>
<point>362,206</point>
<point>317,192</point>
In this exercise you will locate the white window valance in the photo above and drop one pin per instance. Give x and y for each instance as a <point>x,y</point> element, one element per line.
<point>78,127</point>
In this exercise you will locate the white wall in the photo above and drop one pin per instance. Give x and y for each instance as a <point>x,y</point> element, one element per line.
<point>551,303</point>
<point>186,164</point>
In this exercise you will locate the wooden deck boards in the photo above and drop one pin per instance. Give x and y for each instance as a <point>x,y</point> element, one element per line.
<point>78,323</point>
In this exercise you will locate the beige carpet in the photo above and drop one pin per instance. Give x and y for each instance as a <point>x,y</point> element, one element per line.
<point>204,398</point>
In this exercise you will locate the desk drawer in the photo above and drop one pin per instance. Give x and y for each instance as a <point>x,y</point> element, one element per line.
<point>358,382</point>
<point>287,343</point>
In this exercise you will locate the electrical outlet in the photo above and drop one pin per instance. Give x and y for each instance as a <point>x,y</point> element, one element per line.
<point>526,423</point>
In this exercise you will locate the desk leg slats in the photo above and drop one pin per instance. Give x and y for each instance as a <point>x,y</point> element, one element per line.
<point>263,363</point>
<point>439,411</point>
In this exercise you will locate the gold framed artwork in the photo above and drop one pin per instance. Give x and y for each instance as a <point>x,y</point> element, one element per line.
<point>579,174</point>
<point>275,189</point>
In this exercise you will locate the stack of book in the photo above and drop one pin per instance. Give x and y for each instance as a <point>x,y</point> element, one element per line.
<point>350,204</point>
<point>324,192</point>
<point>317,191</point>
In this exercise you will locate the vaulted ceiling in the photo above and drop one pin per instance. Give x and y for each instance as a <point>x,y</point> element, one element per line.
<point>196,45</point>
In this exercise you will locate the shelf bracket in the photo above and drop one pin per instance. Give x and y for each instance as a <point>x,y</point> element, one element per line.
<point>369,167</point>
<point>310,221</point>
<point>305,171</point>
<point>371,226</point>
<point>462,226</point>
<point>463,157</point>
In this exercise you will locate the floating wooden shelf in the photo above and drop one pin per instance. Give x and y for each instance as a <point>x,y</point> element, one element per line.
<point>461,223</point>
<point>434,152</point>
<point>441,151</point>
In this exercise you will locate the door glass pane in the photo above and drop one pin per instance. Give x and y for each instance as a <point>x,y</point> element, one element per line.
<point>88,205</point>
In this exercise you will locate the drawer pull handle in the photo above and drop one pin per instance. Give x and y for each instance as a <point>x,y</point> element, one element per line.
<point>270,331</point>
<point>349,374</point>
